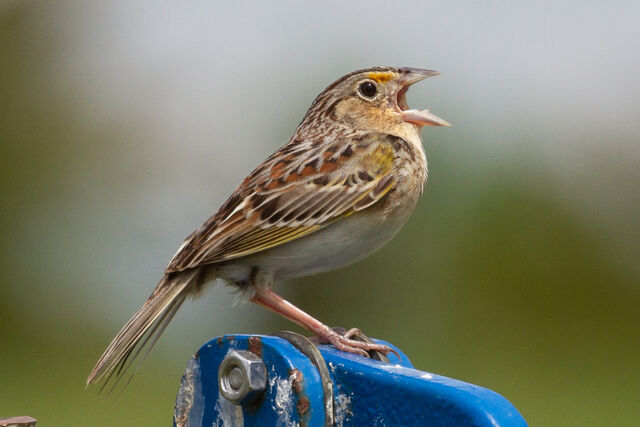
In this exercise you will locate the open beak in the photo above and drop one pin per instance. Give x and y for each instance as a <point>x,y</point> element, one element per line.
<point>416,117</point>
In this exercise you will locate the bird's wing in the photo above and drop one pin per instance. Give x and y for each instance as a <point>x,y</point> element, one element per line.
<point>298,190</point>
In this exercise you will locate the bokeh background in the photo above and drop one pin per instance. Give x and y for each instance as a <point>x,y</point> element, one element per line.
<point>124,125</point>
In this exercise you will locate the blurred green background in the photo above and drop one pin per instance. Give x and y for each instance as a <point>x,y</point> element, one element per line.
<point>124,126</point>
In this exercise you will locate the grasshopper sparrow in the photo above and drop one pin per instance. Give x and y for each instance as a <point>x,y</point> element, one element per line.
<point>342,187</point>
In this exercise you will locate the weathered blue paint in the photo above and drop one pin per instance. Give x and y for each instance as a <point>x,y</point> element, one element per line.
<point>395,394</point>
<point>293,395</point>
<point>366,392</point>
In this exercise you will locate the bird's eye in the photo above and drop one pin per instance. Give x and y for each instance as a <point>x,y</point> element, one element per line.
<point>368,89</point>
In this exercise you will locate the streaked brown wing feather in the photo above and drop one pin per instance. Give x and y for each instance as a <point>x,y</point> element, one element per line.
<point>292,194</point>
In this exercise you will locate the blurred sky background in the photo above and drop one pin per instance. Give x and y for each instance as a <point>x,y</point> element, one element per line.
<point>124,125</point>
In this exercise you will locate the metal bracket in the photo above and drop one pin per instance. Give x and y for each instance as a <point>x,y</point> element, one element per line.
<point>306,347</point>
<point>311,385</point>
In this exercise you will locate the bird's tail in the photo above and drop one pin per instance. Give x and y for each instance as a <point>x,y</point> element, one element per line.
<point>145,327</point>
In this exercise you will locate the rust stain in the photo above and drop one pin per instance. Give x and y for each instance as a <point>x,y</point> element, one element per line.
<point>296,384</point>
<point>255,346</point>
<point>302,406</point>
<point>296,380</point>
<point>220,341</point>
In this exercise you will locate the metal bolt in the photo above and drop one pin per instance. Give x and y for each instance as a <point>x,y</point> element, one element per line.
<point>235,378</point>
<point>242,377</point>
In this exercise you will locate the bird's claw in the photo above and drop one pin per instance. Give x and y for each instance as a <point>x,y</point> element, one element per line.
<point>361,345</point>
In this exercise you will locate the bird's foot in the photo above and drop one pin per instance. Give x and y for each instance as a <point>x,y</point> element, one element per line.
<point>352,341</point>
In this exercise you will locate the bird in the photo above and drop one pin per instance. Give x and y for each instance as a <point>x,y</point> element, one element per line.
<point>342,187</point>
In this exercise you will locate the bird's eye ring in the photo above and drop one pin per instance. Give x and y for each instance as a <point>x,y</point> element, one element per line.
<point>368,89</point>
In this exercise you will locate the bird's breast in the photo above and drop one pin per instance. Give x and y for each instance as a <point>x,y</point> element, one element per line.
<point>410,174</point>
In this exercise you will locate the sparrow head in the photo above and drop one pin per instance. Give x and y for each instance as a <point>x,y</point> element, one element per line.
<point>373,99</point>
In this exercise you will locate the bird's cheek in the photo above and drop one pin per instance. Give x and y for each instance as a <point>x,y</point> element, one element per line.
<point>348,111</point>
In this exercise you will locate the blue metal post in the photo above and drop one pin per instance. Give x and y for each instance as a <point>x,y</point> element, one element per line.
<point>288,382</point>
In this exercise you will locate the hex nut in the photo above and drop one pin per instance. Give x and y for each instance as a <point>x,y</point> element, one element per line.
<point>242,377</point>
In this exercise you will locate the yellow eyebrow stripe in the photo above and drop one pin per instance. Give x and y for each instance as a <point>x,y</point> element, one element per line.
<point>381,77</point>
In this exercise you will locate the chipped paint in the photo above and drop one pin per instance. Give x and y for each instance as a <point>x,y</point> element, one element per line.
<point>182,414</point>
<point>342,409</point>
<point>229,415</point>
<point>332,367</point>
<point>284,398</point>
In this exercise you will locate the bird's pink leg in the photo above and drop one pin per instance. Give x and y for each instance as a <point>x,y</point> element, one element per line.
<point>269,299</point>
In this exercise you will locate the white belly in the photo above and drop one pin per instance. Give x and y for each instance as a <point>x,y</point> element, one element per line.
<point>339,244</point>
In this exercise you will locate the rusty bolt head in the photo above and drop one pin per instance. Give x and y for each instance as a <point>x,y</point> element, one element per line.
<point>242,377</point>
